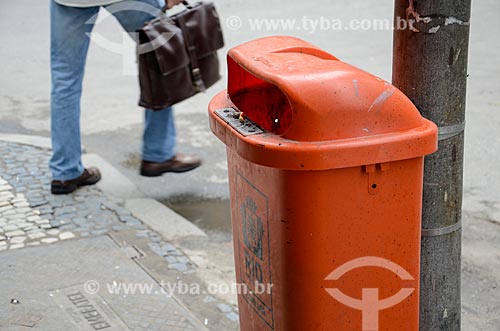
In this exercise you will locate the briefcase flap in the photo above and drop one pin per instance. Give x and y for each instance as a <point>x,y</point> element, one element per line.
<point>165,39</point>
<point>203,25</point>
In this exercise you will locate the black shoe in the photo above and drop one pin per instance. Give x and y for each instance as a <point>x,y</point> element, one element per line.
<point>179,163</point>
<point>90,176</point>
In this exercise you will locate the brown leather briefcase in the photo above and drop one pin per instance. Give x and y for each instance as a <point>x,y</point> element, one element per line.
<point>177,55</point>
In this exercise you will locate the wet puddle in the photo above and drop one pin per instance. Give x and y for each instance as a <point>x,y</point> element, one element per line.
<point>209,214</point>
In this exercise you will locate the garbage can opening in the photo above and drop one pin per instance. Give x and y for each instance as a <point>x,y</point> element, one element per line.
<point>260,101</point>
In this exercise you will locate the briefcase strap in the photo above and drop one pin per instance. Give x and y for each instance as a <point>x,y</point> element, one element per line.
<point>193,56</point>
<point>185,3</point>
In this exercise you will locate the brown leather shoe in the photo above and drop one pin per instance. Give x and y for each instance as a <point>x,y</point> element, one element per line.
<point>90,176</point>
<point>179,163</point>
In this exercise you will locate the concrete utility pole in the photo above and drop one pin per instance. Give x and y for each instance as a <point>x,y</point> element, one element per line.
<point>430,66</point>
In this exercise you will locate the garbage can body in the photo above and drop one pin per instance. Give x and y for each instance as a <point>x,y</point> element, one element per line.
<point>325,203</point>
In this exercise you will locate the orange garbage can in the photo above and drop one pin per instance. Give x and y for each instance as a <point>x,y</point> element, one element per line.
<point>325,170</point>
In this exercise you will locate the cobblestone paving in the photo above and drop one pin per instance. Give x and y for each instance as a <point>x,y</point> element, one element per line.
<point>31,215</point>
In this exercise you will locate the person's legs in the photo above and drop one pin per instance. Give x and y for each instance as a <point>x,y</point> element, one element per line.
<point>159,136</point>
<point>159,129</point>
<point>158,155</point>
<point>69,45</point>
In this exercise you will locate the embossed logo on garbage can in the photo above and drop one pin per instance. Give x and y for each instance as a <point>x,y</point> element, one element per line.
<point>252,227</point>
<point>253,249</point>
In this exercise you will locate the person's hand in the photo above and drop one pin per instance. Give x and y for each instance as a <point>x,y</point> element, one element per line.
<point>171,3</point>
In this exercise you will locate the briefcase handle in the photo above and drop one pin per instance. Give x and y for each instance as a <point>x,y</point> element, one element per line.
<point>185,3</point>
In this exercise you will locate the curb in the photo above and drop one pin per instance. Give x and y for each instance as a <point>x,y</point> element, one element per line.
<point>163,220</point>
<point>37,141</point>
<point>160,218</point>
<point>113,182</point>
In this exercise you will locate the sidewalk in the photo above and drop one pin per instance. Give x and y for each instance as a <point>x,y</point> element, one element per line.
<point>64,257</point>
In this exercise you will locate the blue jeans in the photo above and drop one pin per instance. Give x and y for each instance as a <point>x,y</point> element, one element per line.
<point>70,40</point>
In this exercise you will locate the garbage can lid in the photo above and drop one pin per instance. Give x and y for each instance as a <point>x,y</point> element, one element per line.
<point>317,112</point>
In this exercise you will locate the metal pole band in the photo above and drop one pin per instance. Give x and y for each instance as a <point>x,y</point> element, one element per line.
<point>442,231</point>
<point>449,131</point>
